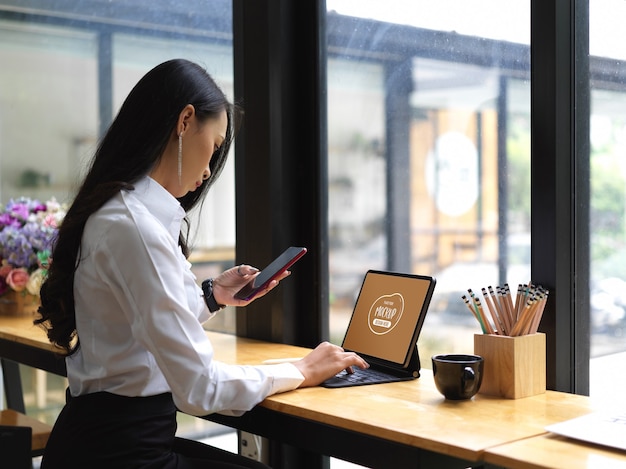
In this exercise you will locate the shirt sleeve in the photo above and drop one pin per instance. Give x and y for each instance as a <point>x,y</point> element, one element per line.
<point>148,276</point>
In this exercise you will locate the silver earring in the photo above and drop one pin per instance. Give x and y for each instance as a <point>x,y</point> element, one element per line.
<point>180,159</point>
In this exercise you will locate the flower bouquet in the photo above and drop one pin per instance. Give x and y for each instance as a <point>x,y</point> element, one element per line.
<point>27,231</point>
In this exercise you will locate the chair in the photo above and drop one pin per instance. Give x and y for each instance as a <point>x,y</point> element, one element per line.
<point>15,443</point>
<point>16,429</point>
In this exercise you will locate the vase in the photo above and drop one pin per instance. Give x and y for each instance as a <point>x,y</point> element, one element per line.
<point>14,303</point>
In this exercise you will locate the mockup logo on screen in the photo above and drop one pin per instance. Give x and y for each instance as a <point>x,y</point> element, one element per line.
<point>385,313</point>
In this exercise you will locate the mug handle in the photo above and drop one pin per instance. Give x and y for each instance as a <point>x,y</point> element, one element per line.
<point>468,378</point>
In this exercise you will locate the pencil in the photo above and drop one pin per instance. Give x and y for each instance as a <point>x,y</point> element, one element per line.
<point>474,312</point>
<point>499,309</point>
<point>519,298</point>
<point>509,321</point>
<point>497,322</point>
<point>481,313</point>
<point>509,302</point>
<point>538,315</point>
<point>515,331</point>
<point>526,318</point>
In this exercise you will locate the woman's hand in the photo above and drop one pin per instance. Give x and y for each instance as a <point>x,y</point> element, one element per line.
<point>229,282</point>
<point>325,361</point>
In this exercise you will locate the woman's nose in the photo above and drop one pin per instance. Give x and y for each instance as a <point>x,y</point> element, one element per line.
<point>206,173</point>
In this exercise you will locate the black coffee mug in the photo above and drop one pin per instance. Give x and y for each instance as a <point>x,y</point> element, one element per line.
<point>458,376</point>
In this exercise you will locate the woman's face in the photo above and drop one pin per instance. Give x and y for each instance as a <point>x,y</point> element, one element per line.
<point>199,143</point>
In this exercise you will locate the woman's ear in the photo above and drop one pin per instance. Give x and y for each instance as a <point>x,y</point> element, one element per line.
<point>184,117</point>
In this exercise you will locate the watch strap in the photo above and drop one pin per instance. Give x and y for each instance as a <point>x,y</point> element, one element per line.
<point>209,299</point>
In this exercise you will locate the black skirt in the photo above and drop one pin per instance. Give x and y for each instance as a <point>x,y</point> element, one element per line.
<point>104,430</point>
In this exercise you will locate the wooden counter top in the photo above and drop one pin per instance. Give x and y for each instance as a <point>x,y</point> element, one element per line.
<point>550,451</point>
<point>411,413</point>
<point>21,329</point>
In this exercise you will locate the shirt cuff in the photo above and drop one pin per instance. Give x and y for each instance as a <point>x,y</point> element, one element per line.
<point>286,377</point>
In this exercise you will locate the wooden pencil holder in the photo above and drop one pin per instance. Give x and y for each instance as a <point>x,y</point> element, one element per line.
<point>514,367</point>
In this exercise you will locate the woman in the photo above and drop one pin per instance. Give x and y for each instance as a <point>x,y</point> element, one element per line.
<point>121,300</point>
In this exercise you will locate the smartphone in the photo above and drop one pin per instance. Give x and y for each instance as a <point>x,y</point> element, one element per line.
<point>277,267</point>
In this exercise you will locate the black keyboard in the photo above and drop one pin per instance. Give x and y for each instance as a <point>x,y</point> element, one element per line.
<point>359,377</point>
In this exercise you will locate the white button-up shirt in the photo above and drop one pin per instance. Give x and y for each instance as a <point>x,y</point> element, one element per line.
<point>139,314</point>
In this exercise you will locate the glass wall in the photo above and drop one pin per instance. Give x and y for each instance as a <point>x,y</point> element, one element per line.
<point>132,56</point>
<point>48,107</point>
<point>608,197</point>
<point>63,79</point>
<point>429,153</point>
<point>66,68</point>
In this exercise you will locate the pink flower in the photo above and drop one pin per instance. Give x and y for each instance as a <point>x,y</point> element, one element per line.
<point>17,279</point>
<point>50,220</point>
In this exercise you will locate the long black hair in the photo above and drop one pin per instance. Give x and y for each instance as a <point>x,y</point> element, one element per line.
<point>129,150</point>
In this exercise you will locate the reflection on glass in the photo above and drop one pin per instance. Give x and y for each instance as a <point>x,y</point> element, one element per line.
<point>429,154</point>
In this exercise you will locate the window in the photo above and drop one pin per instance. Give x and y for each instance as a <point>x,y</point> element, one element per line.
<point>429,148</point>
<point>63,79</point>
<point>66,68</point>
<point>48,109</point>
<point>429,154</point>
<point>607,195</point>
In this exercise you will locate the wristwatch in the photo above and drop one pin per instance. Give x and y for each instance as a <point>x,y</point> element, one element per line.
<point>209,299</point>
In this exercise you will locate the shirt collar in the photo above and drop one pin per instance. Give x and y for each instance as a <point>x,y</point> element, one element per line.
<point>161,204</point>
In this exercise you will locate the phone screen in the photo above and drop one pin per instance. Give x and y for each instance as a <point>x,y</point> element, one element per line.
<point>277,267</point>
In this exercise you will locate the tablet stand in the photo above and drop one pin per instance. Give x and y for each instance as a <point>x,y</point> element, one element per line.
<point>414,363</point>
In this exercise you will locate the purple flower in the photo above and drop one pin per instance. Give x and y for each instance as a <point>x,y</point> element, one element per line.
<point>37,206</point>
<point>16,248</point>
<point>7,220</point>
<point>19,210</point>
<point>27,232</point>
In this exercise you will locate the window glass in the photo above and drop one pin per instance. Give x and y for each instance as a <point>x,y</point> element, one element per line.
<point>214,223</point>
<point>429,153</point>
<point>55,95</point>
<point>48,107</point>
<point>55,98</point>
<point>608,197</point>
